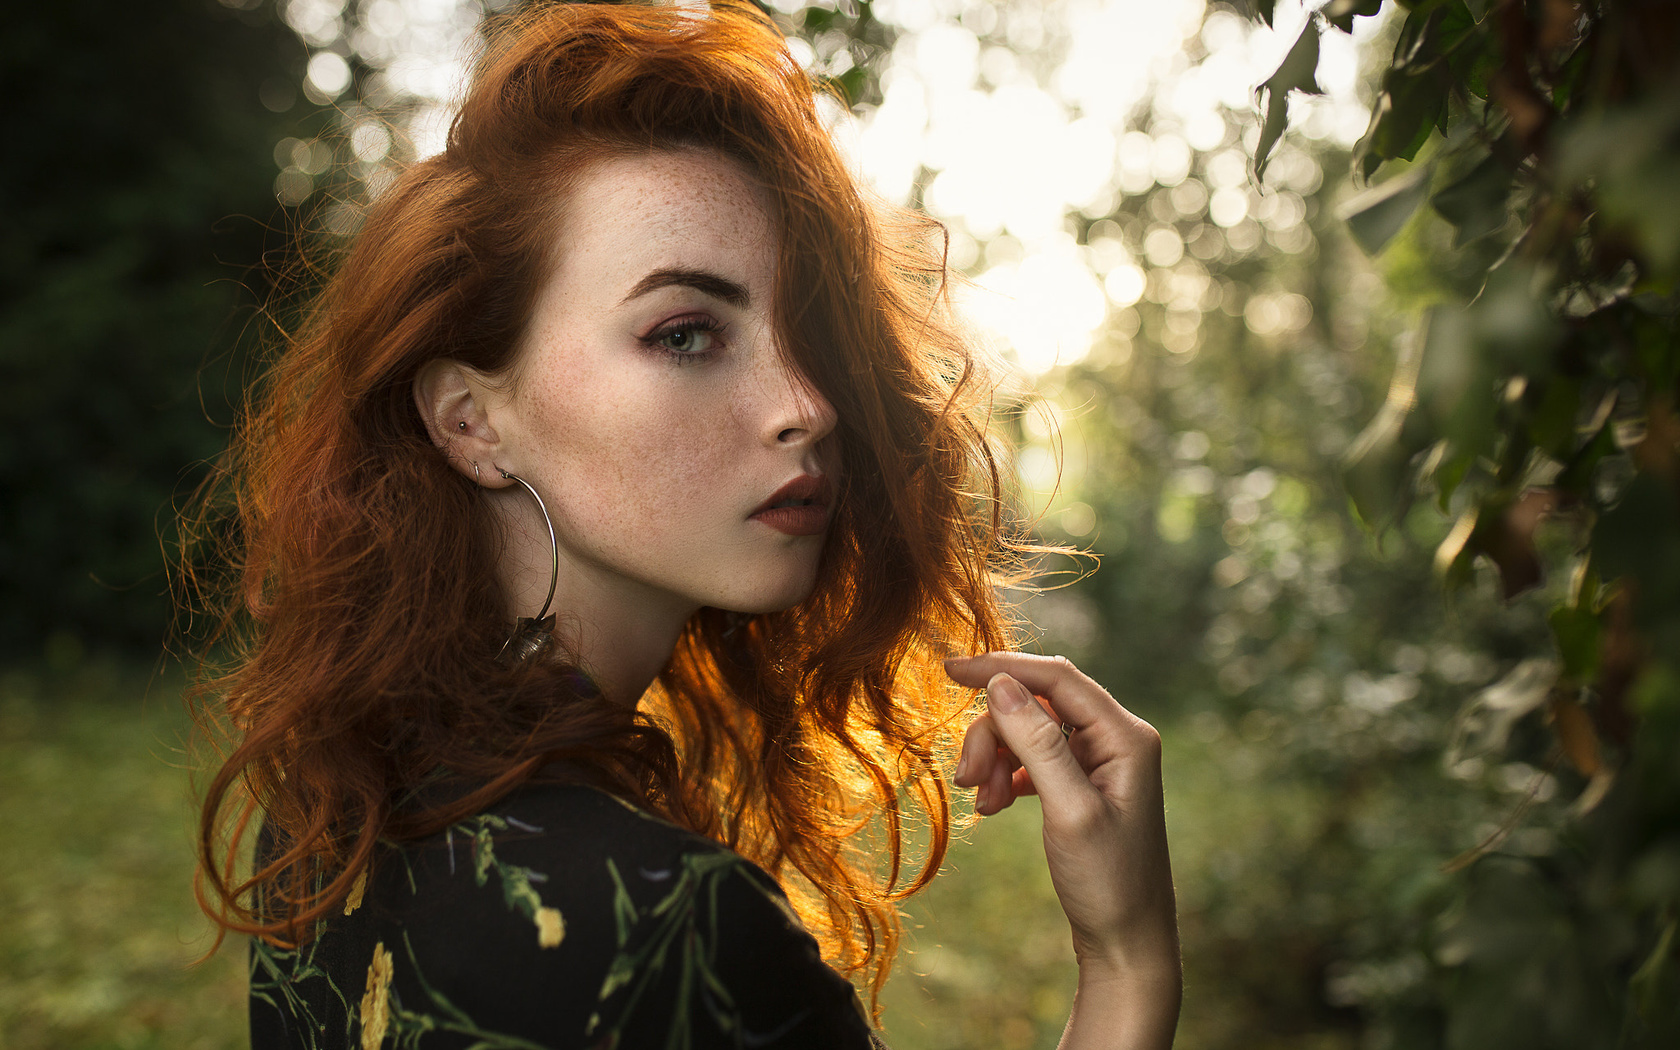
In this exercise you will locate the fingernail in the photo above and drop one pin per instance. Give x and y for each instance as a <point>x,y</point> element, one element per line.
<point>962,764</point>
<point>957,659</point>
<point>980,799</point>
<point>1006,693</point>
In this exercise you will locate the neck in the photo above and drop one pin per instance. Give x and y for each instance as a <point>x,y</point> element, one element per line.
<point>621,632</point>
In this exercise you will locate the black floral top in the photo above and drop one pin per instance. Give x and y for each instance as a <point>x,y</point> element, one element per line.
<point>562,918</point>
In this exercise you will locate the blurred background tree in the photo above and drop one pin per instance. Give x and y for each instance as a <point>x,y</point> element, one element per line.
<point>1401,816</point>
<point>140,204</point>
<point>1528,153</point>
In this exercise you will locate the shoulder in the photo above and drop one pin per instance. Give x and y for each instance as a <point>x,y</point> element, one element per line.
<point>571,820</point>
<point>566,917</point>
<point>699,937</point>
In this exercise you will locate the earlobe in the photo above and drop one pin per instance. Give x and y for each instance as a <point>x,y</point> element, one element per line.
<point>450,398</point>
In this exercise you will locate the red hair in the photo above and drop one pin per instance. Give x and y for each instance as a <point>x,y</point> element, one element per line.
<point>363,611</point>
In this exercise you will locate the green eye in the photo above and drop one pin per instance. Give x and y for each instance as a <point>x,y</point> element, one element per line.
<point>689,338</point>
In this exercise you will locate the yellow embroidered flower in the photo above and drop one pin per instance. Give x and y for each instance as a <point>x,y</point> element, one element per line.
<point>551,928</point>
<point>376,1001</point>
<point>357,888</point>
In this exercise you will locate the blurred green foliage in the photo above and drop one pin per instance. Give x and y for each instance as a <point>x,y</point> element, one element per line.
<point>1536,394</point>
<point>99,931</point>
<point>140,203</point>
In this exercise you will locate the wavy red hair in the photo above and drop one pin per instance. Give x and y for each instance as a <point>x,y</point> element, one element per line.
<point>362,614</point>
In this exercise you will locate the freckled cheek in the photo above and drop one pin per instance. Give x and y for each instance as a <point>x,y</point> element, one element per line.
<point>645,459</point>
<point>685,458</point>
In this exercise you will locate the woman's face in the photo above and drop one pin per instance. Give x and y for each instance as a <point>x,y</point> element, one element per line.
<point>650,404</point>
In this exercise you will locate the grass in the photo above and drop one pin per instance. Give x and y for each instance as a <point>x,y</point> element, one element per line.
<point>988,960</point>
<point>99,932</point>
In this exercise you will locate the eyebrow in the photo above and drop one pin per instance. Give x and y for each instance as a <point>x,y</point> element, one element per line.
<point>700,280</point>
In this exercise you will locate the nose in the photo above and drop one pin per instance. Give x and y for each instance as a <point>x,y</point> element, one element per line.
<point>799,414</point>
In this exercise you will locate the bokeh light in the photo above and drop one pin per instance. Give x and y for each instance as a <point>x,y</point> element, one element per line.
<point>1116,100</point>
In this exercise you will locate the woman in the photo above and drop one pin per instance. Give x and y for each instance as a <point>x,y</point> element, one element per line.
<point>597,543</point>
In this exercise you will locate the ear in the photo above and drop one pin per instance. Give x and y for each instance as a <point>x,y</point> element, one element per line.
<point>452,399</point>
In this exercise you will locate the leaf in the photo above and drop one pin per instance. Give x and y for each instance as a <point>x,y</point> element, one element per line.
<point>1432,32</point>
<point>1621,155</point>
<point>1340,13</point>
<point>1449,475</point>
<point>851,83</point>
<point>1452,33</point>
<point>1376,215</point>
<point>1401,120</point>
<point>1635,539</point>
<point>1413,103</point>
<point>1478,78</point>
<point>1514,331</point>
<point>1575,732</point>
<point>819,18</point>
<point>1455,382</point>
<point>1409,46</point>
<point>1575,629</point>
<point>1453,556</point>
<point>1484,723</point>
<point>1475,204</point>
<point>1417,104</point>
<point>1570,78</point>
<point>1551,419</point>
<point>1585,589</point>
<point>1505,536</point>
<point>1654,343</point>
<point>1295,73</point>
<point>1643,202</point>
<point>1578,471</point>
<point>1651,986</point>
<point>1374,469</point>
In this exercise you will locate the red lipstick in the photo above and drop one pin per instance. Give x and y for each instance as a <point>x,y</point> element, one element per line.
<point>799,508</point>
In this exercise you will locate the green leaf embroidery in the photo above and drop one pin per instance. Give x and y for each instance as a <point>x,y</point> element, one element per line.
<point>518,893</point>
<point>680,930</point>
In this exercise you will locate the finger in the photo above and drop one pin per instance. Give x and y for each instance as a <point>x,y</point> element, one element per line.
<point>1036,739</point>
<point>979,751</point>
<point>988,766</point>
<point>1076,699</point>
<point>997,793</point>
<point>1021,783</point>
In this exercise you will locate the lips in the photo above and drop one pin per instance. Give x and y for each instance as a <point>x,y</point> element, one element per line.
<point>799,508</point>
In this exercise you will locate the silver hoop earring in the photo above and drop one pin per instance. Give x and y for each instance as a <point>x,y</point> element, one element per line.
<point>476,479</point>
<point>533,635</point>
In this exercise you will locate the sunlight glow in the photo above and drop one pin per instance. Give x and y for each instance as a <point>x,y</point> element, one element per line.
<point>1046,307</point>
<point>1006,149</point>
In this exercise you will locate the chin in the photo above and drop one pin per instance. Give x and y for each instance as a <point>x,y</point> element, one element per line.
<point>771,600</point>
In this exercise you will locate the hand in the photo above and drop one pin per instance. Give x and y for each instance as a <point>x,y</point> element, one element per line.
<point>1105,834</point>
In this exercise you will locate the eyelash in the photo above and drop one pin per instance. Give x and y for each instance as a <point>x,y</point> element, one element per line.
<point>655,340</point>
